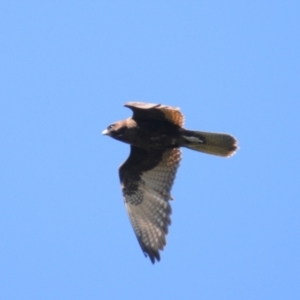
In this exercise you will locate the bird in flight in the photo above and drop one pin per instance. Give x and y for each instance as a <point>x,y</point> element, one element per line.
<point>155,133</point>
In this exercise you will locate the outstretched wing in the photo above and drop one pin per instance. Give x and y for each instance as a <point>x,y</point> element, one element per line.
<point>146,178</point>
<point>150,111</point>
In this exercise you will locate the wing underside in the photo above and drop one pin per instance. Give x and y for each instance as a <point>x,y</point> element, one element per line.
<point>146,189</point>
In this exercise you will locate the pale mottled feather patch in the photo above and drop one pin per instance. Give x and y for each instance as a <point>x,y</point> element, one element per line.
<point>149,209</point>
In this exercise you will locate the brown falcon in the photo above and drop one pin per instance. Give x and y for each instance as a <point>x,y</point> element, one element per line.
<point>155,133</point>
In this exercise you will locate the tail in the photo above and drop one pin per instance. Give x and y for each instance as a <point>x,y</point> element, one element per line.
<point>220,144</point>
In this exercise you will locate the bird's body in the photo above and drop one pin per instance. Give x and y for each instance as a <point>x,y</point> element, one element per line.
<point>150,134</point>
<point>155,133</point>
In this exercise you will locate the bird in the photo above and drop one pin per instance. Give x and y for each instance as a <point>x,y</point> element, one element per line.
<point>155,134</point>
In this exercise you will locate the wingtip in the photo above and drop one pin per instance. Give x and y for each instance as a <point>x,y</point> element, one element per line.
<point>146,105</point>
<point>154,256</point>
<point>141,105</point>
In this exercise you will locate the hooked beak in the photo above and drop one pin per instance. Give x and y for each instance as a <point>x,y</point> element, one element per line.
<point>105,132</point>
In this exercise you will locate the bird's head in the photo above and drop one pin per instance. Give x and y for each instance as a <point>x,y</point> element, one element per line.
<point>116,130</point>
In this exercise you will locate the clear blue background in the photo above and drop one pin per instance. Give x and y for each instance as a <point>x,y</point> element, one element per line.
<point>66,69</point>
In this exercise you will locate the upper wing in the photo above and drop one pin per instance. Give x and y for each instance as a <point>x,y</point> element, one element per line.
<point>156,112</point>
<point>147,178</point>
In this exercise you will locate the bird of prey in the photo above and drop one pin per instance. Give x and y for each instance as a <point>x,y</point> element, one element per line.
<point>155,133</point>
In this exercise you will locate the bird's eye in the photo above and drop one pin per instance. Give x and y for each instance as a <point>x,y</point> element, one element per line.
<point>110,126</point>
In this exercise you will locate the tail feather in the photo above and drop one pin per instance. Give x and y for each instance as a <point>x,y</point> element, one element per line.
<point>220,144</point>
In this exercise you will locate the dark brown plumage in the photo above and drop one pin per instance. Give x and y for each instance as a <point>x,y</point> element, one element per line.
<point>155,133</point>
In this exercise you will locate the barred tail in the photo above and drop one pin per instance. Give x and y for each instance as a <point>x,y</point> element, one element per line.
<point>220,144</point>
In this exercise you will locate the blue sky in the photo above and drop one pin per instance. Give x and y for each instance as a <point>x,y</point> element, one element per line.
<point>67,68</point>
